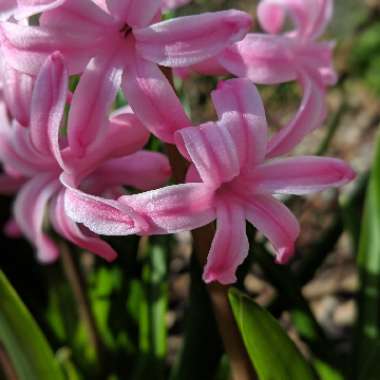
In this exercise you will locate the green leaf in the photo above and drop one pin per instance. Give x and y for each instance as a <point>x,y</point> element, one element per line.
<point>368,329</point>
<point>325,372</point>
<point>272,352</point>
<point>22,339</point>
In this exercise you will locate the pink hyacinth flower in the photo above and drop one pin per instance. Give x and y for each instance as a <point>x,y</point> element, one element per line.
<point>229,180</point>
<point>119,42</point>
<point>35,157</point>
<point>277,58</point>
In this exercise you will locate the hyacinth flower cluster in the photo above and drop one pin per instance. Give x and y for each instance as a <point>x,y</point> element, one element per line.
<point>68,155</point>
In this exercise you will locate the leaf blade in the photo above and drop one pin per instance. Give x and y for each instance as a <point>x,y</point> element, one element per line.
<point>368,327</point>
<point>24,342</point>
<point>266,342</point>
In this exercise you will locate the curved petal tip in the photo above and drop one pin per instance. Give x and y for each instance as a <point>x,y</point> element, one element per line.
<point>284,254</point>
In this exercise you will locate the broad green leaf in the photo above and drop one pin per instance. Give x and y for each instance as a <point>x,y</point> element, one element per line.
<point>22,339</point>
<point>272,352</point>
<point>368,329</point>
<point>325,372</point>
<point>351,205</point>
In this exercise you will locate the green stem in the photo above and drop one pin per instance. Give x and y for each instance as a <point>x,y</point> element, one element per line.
<point>332,129</point>
<point>77,284</point>
<point>241,366</point>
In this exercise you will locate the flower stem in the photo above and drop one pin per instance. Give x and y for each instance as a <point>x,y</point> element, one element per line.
<point>241,366</point>
<point>77,284</point>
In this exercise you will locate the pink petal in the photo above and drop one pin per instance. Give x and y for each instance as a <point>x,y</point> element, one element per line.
<point>37,162</point>
<point>123,136</point>
<point>80,17</point>
<point>92,101</point>
<point>324,16</point>
<point>310,17</point>
<point>192,174</point>
<point>100,215</point>
<point>26,48</point>
<point>318,57</point>
<point>271,16</point>
<point>143,170</point>
<point>29,211</point>
<point>264,59</point>
<point>18,154</point>
<point>17,90</point>
<point>249,134</point>
<point>230,244</point>
<point>298,10</point>
<point>174,208</point>
<point>13,161</point>
<point>27,8</point>
<point>301,175</point>
<point>238,95</point>
<point>276,222</point>
<point>48,103</point>
<point>151,97</point>
<point>136,13</point>
<point>184,41</point>
<point>81,237</point>
<point>212,150</point>
<point>329,75</point>
<point>7,9</point>
<point>310,115</point>
<point>5,122</point>
<point>102,4</point>
<point>242,113</point>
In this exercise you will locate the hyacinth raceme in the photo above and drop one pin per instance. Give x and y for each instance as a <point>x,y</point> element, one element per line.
<point>76,166</point>
<point>117,43</point>
<point>229,181</point>
<point>36,156</point>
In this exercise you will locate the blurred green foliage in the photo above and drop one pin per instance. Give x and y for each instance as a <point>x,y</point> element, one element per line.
<point>22,344</point>
<point>365,57</point>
